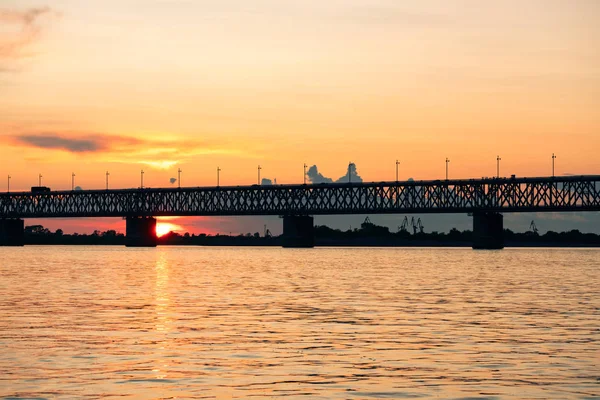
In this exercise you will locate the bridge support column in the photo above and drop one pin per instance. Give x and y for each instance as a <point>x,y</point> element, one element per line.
<point>140,232</point>
<point>488,231</point>
<point>12,232</point>
<point>298,231</point>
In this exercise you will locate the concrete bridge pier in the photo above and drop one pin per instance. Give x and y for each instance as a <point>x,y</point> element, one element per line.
<point>488,231</point>
<point>140,232</point>
<point>12,232</point>
<point>298,231</point>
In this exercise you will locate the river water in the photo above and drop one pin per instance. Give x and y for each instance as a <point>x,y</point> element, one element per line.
<point>193,322</point>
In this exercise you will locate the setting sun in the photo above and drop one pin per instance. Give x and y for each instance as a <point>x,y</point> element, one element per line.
<point>162,228</point>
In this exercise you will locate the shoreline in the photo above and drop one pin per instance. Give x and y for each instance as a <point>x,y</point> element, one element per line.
<point>318,243</point>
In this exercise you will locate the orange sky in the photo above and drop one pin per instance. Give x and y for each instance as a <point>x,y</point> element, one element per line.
<point>122,85</point>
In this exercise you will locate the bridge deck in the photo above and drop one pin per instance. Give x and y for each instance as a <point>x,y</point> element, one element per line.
<point>541,194</point>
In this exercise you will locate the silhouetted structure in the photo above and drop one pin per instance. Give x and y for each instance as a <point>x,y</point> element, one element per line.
<point>11,232</point>
<point>298,231</point>
<point>488,231</point>
<point>140,232</point>
<point>485,198</point>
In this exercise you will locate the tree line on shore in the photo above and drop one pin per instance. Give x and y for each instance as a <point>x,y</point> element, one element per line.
<point>368,234</point>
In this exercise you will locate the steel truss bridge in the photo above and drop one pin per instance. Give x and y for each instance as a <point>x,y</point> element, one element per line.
<point>499,195</point>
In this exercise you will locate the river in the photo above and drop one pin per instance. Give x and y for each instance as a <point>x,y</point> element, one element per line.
<point>343,323</point>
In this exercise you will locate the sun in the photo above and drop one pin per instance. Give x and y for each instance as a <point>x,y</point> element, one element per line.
<point>162,228</point>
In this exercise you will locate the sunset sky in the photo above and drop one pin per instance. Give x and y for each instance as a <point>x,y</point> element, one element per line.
<point>125,85</point>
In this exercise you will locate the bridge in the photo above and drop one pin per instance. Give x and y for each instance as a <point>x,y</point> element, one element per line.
<point>486,199</point>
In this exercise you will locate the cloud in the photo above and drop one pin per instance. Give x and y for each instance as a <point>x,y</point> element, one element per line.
<point>315,177</point>
<point>27,18</point>
<point>154,152</point>
<point>351,175</point>
<point>162,164</point>
<point>20,28</point>
<point>52,141</point>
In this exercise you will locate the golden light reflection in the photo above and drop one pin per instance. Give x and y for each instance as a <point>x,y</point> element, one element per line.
<point>162,320</point>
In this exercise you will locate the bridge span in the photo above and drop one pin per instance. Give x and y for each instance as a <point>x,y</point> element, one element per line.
<point>486,199</point>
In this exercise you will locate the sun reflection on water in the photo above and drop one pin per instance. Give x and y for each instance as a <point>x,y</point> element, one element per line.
<point>163,322</point>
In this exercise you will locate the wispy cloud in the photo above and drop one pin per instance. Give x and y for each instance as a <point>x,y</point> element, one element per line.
<point>53,141</point>
<point>161,164</point>
<point>156,153</point>
<point>87,143</point>
<point>18,30</point>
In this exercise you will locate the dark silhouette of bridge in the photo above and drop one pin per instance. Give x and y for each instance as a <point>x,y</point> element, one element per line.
<point>485,199</point>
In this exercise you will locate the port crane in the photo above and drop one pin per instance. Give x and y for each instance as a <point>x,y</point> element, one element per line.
<point>417,225</point>
<point>533,228</point>
<point>404,226</point>
<point>267,232</point>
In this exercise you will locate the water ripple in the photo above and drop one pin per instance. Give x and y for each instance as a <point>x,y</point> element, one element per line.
<point>93,322</point>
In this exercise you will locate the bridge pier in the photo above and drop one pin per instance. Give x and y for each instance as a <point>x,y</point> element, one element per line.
<point>298,231</point>
<point>12,232</point>
<point>488,231</point>
<point>140,232</point>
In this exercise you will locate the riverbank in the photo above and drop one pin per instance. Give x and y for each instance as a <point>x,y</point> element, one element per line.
<point>227,241</point>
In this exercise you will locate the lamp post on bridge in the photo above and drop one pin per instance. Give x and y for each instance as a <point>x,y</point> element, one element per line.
<point>72,180</point>
<point>218,175</point>
<point>179,177</point>
<point>498,159</point>
<point>8,186</point>
<point>305,173</point>
<point>397,163</point>
<point>259,168</point>
<point>142,179</point>
<point>40,180</point>
<point>447,162</point>
<point>553,158</point>
<point>107,175</point>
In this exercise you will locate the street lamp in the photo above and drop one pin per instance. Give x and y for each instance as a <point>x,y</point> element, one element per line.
<point>107,175</point>
<point>305,173</point>
<point>179,177</point>
<point>447,162</point>
<point>553,158</point>
<point>397,163</point>
<point>498,159</point>
<point>8,186</point>
<point>218,175</point>
<point>73,181</point>
<point>40,180</point>
<point>259,168</point>
<point>142,179</point>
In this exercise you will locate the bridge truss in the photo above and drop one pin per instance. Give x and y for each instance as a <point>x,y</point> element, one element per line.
<point>573,193</point>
